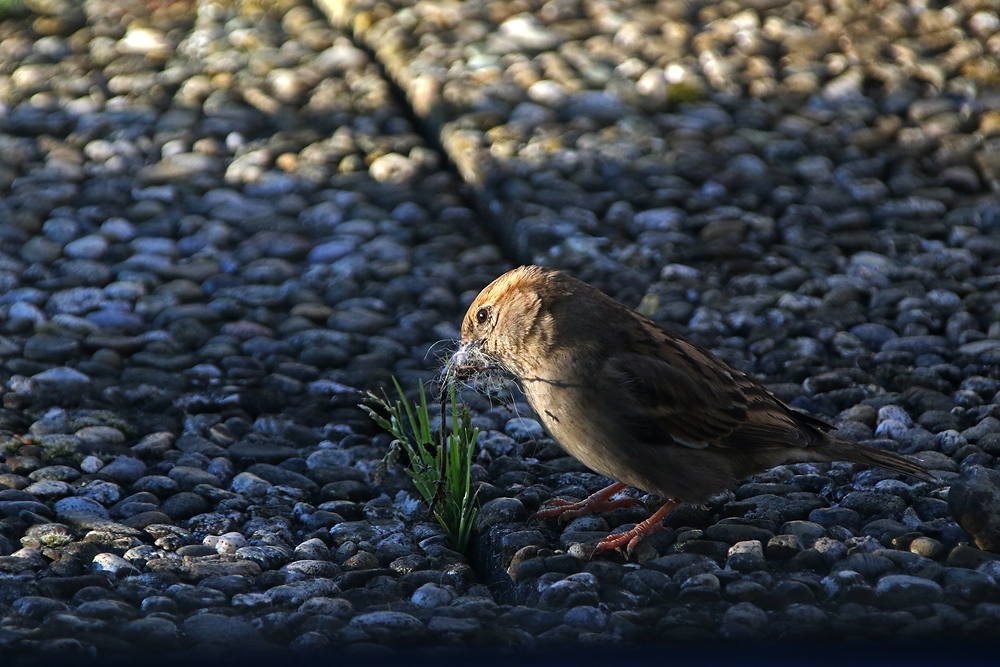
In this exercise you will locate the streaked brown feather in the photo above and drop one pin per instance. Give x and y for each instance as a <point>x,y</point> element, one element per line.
<point>686,393</point>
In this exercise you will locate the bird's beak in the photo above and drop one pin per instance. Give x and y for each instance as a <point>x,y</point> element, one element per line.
<point>468,360</point>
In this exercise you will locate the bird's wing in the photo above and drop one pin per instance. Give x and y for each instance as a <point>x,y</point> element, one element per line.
<point>682,394</point>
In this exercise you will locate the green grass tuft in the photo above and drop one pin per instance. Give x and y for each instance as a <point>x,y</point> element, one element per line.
<point>440,470</point>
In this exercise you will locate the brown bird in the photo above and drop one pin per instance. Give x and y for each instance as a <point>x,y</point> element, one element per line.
<point>635,402</point>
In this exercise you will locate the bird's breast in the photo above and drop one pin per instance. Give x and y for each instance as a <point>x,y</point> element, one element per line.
<point>591,426</point>
<point>574,416</point>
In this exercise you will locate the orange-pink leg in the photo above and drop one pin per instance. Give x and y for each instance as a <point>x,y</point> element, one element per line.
<point>596,502</point>
<point>632,537</point>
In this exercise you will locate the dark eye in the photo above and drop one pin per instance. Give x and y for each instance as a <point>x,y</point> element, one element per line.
<point>482,315</point>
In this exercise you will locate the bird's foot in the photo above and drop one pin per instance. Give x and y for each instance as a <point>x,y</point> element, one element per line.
<point>630,538</point>
<point>601,501</point>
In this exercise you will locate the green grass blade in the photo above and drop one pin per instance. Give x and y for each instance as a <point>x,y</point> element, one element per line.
<point>436,470</point>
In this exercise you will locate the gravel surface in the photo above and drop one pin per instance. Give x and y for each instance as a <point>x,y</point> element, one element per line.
<point>222,222</point>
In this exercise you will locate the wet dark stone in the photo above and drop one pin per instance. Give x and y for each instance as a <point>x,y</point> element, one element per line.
<point>867,565</point>
<point>282,477</point>
<point>674,563</point>
<point>974,501</point>
<point>836,516</point>
<point>787,593</point>
<point>53,349</point>
<point>501,510</point>
<point>347,490</point>
<point>184,505</point>
<point>873,503</point>
<point>262,451</point>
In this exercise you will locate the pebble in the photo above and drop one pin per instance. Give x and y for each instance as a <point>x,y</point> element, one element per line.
<point>523,429</point>
<point>388,626</point>
<point>123,470</point>
<point>218,629</point>
<point>249,485</point>
<point>898,591</point>
<point>974,501</point>
<point>49,489</point>
<point>111,564</point>
<point>81,505</point>
<point>91,464</point>
<point>105,493</point>
<point>225,544</point>
<point>432,595</point>
<point>743,620</point>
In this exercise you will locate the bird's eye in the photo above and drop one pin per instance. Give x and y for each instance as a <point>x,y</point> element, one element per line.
<point>482,315</point>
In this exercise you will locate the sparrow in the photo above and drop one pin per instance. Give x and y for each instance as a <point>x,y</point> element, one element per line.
<point>635,402</point>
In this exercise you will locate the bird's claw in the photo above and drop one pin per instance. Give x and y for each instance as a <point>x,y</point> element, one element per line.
<point>629,539</point>
<point>567,511</point>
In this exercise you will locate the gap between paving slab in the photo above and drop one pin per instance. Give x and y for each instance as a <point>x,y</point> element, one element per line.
<point>437,122</point>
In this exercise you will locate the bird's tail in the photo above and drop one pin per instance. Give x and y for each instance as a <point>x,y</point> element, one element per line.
<point>846,450</point>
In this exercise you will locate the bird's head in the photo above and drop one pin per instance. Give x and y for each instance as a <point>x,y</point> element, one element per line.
<point>509,321</point>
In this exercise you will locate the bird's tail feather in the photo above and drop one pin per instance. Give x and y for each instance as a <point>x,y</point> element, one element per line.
<point>850,451</point>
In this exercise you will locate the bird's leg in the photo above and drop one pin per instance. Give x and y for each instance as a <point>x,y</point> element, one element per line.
<point>596,502</point>
<point>631,538</point>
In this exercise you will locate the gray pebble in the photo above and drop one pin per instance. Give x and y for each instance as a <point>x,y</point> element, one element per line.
<point>898,591</point>
<point>523,429</point>
<point>123,470</point>
<point>218,629</point>
<point>431,596</point>
<point>388,626</point>
<point>974,500</point>
<point>81,505</point>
